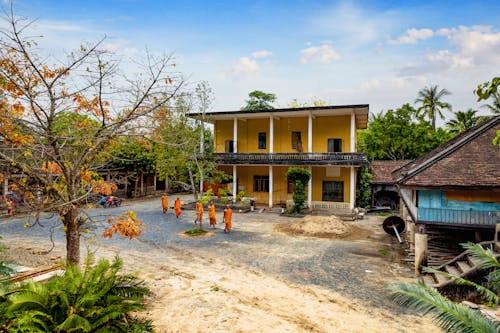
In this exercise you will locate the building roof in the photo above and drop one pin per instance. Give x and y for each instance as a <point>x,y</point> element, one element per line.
<point>470,160</point>
<point>382,171</point>
<point>360,111</point>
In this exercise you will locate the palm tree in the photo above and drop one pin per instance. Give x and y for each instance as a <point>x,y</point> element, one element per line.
<point>430,98</point>
<point>451,316</point>
<point>463,121</point>
<point>494,107</point>
<point>99,299</point>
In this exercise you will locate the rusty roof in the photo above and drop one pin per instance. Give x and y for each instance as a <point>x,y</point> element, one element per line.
<point>470,160</point>
<point>382,170</point>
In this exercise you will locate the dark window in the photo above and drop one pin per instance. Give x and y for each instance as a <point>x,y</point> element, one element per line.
<point>290,187</point>
<point>333,191</point>
<point>262,140</point>
<point>229,146</point>
<point>297,141</point>
<point>261,183</point>
<point>334,145</point>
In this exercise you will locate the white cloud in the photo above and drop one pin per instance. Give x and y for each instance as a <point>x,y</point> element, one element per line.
<point>244,67</point>
<point>468,48</point>
<point>262,54</point>
<point>413,35</point>
<point>44,25</point>
<point>324,54</point>
<point>121,47</point>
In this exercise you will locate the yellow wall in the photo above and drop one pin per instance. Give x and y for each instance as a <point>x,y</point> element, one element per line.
<point>223,130</point>
<point>319,175</point>
<point>324,128</point>
<point>245,175</point>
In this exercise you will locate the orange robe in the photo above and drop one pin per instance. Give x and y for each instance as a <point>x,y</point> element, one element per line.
<point>199,212</point>
<point>228,214</point>
<point>164,203</point>
<point>211,214</point>
<point>177,206</point>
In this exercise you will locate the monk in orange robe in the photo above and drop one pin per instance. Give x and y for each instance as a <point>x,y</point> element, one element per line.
<point>228,214</point>
<point>164,203</point>
<point>177,207</point>
<point>211,214</point>
<point>199,212</point>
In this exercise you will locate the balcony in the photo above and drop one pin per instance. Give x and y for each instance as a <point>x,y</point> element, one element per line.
<point>458,217</point>
<point>345,159</point>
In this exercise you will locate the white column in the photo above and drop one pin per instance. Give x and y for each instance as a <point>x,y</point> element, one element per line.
<point>352,189</point>
<point>235,135</point>
<point>353,132</point>
<point>309,190</point>
<point>271,135</point>
<point>309,133</point>
<point>270,186</point>
<point>235,189</point>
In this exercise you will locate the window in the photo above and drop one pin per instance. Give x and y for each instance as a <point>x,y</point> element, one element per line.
<point>334,145</point>
<point>229,146</point>
<point>262,140</point>
<point>261,183</point>
<point>333,191</point>
<point>297,141</point>
<point>290,187</point>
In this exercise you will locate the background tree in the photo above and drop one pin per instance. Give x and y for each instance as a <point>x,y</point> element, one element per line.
<point>259,100</point>
<point>462,122</point>
<point>399,135</point>
<point>431,102</point>
<point>177,148</point>
<point>39,90</point>
<point>488,90</point>
<point>204,98</point>
<point>363,189</point>
<point>299,177</point>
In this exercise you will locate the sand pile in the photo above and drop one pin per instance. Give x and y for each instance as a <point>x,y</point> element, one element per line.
<point>318,226</point>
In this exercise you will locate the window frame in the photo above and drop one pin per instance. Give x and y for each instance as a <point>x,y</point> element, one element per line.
<point>262,140</point>
<point>260,183</point>
<point>335,143</point>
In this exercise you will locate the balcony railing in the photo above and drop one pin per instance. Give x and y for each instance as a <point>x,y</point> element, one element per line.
<point>455,216</point>
<point>354,159</point>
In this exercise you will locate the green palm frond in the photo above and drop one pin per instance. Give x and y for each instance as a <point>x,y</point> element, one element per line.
<point>488,295</point>
<point>74,323</point>
<point>484,256</point>
<point>450,316</point>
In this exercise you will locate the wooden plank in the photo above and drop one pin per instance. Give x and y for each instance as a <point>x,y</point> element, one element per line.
<point>463,266</point>
<point>452,270</point>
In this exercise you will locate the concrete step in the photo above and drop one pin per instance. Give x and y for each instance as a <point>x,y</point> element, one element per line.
<point>463,266</point>
<point>429,280</point>
<point>452,270</point>
<point>441,280</point>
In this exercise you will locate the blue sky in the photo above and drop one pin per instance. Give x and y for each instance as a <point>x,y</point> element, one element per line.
<point>342,52</point>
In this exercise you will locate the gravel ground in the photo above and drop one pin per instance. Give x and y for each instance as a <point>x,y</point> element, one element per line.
<point>354,268</point>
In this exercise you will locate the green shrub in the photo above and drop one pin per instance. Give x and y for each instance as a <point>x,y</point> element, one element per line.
<point>195,232</point>
<point>205,199</point>
<point>97,299</point>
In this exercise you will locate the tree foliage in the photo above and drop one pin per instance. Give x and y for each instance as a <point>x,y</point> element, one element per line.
<point>61,118</point>
<point>463,121</point>
<point>299,177</point>
<point>399,135</point>
<point>431,102</point>
<point>363,188</point>
<point>259,100</point>
<point>488,90</point>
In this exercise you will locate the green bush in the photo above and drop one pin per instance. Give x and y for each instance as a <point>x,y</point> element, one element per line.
<point>97,299</point>
<point>205,199</point>
<point>299,177</point>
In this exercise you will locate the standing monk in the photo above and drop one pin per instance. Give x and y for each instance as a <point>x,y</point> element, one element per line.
<point>211,214</point>
<point>164,203</point>
<point>177,207</point>
<point>228,214</point>
<point>199,212</point>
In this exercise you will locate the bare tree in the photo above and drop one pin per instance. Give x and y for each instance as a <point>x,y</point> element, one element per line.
<point>62,116</point>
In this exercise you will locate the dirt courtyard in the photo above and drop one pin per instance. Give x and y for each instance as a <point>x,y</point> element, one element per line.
<point>257,279</point>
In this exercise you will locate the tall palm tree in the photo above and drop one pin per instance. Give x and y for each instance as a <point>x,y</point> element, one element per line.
<point>463,121</point>
<point>494,106</point>
<point>430,98</point>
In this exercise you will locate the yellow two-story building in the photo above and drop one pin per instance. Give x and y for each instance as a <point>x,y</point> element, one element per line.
<point>258,147</point>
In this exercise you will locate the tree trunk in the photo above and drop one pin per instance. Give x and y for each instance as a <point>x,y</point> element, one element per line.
<point>72,236</point>
<point>193,185</point>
